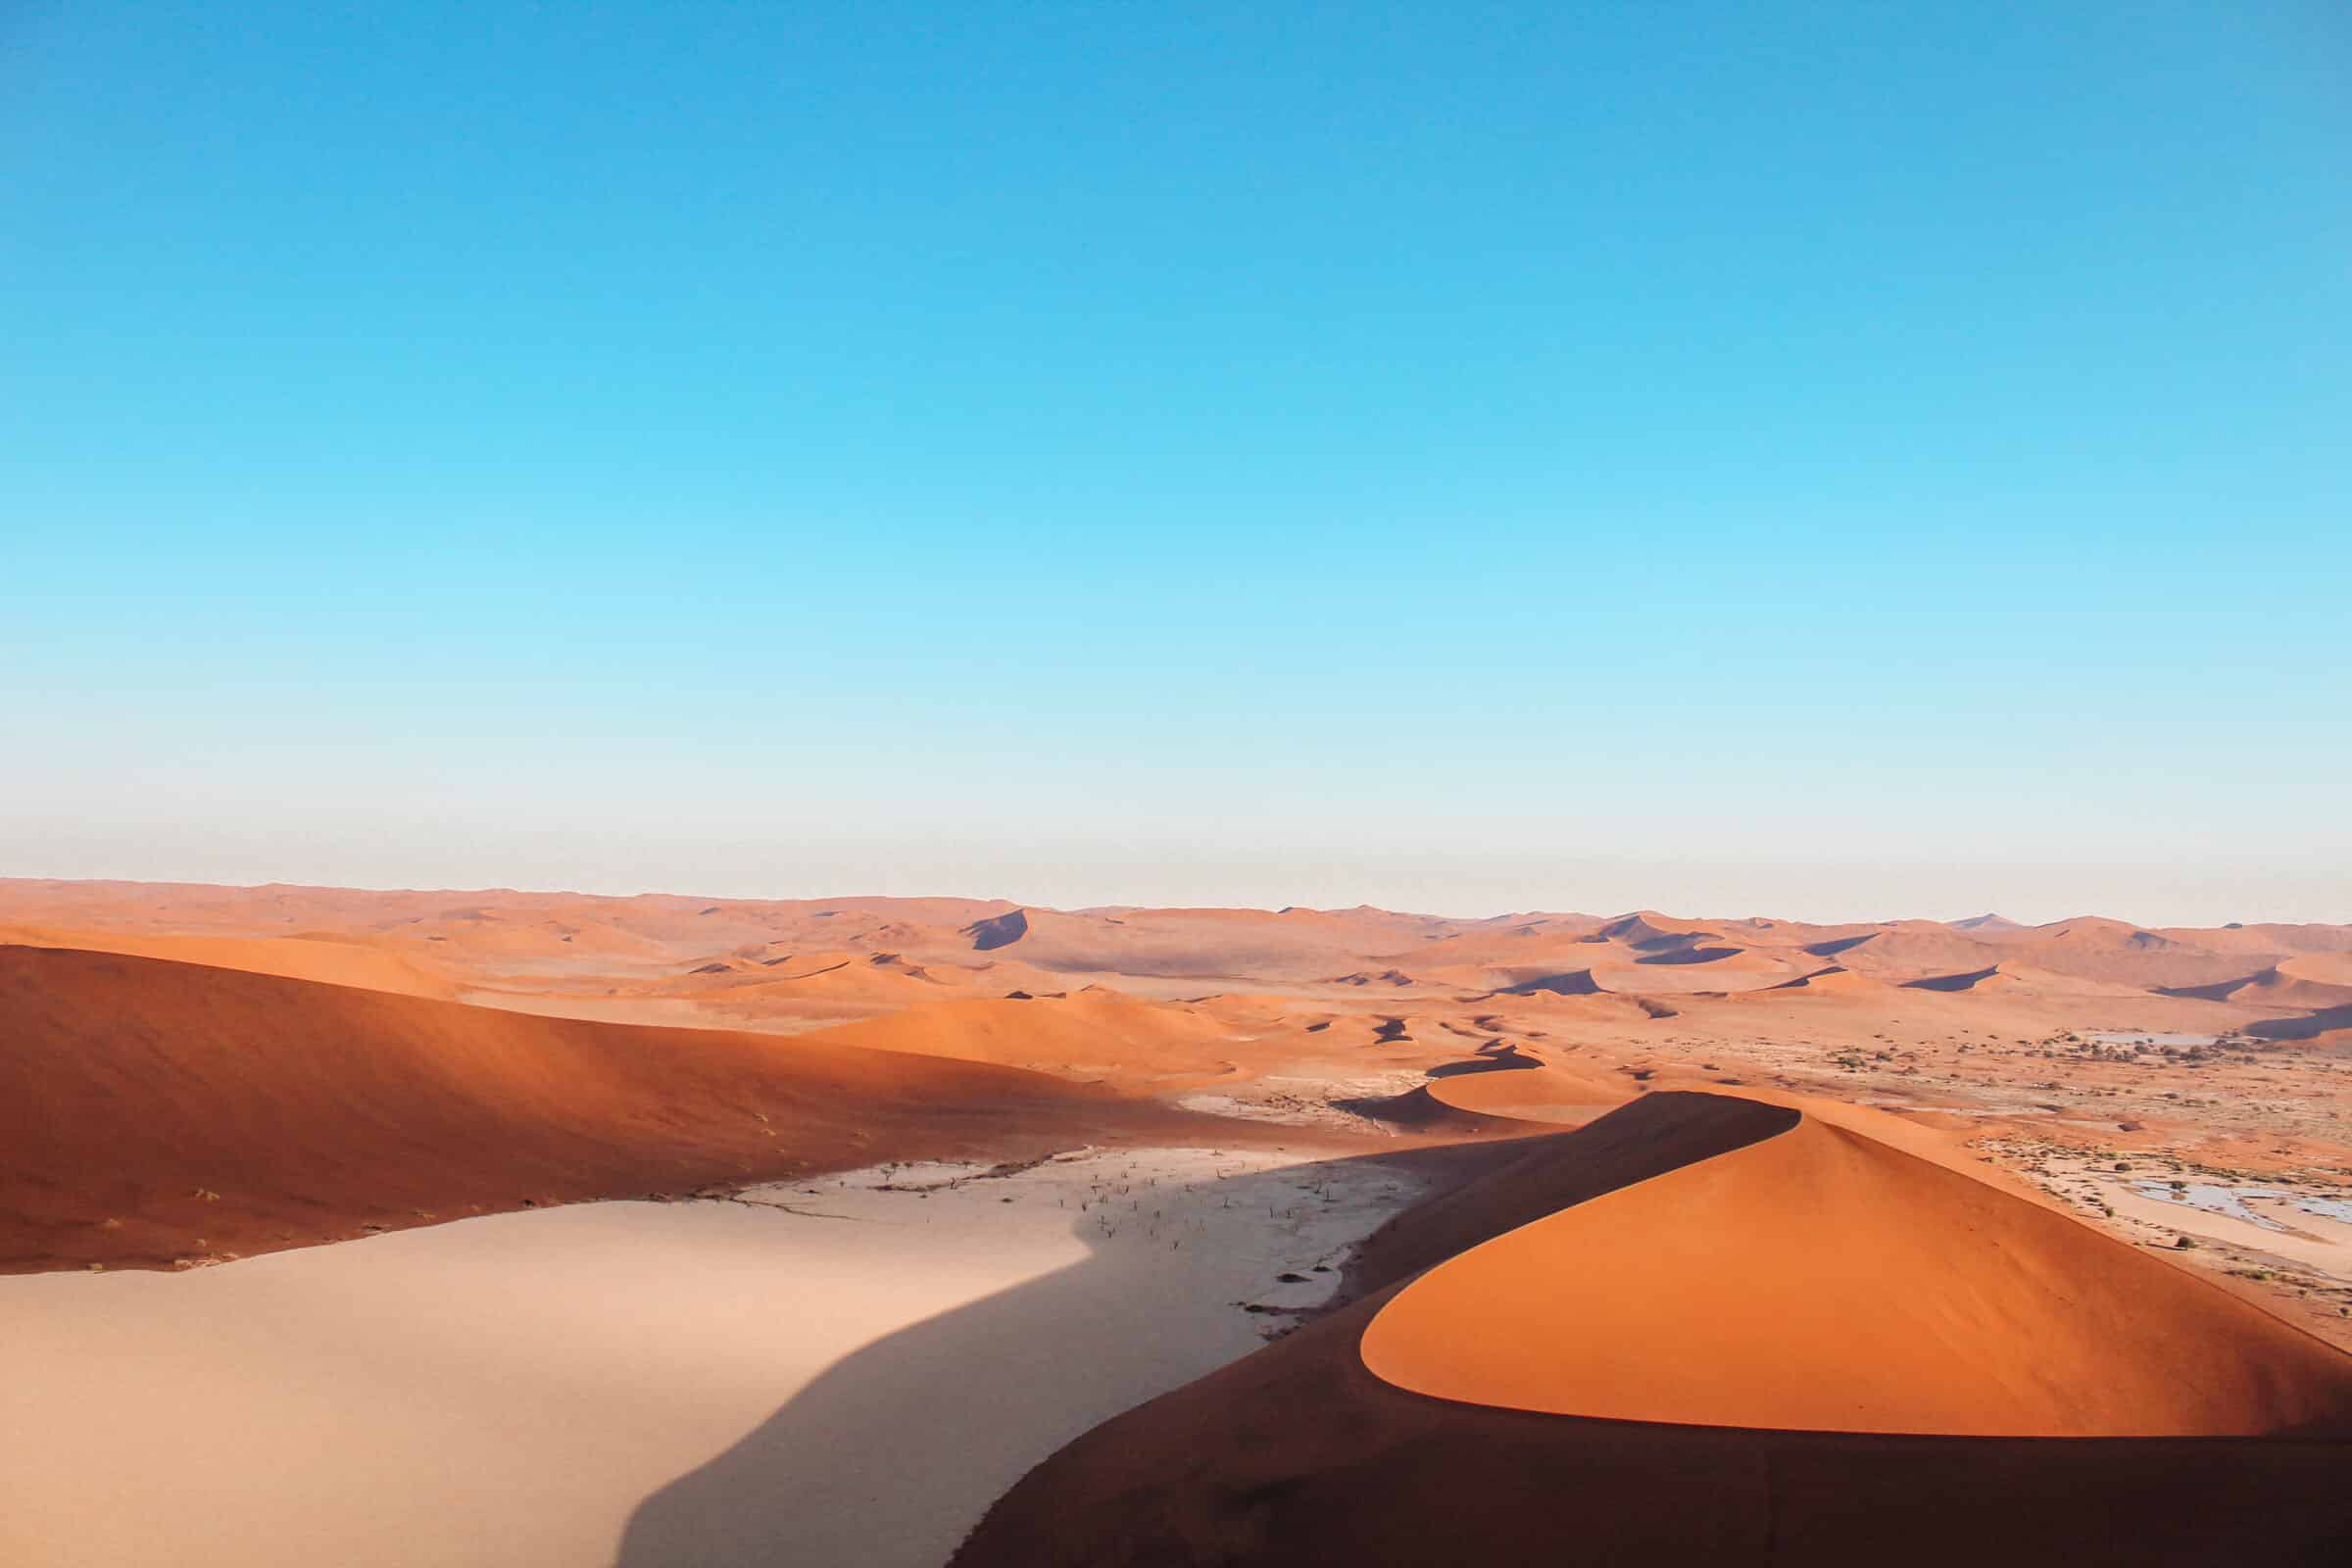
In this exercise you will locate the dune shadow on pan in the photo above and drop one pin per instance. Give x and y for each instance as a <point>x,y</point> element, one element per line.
<point>1837,944</point>
<point>2308,1026</point>
<point>1691,956</point>
<point>893,1452</point>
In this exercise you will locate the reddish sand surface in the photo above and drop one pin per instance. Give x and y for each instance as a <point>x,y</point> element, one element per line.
<point>1302,1453</point>
<point>1826,1280</point>
<point>1883,1241</point>
<point>154,1113</point>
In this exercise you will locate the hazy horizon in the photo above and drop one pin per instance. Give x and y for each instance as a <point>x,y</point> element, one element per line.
<point>1786,907</point>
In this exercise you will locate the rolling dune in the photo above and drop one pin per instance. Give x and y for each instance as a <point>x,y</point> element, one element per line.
<point>1823,1279</point>
<point>1551,1092</point>
<point>2316,981</point>
<point>152,1110</point>
<point>1080,1036</point>
<point>1834,980</point>
<point>325,959</point>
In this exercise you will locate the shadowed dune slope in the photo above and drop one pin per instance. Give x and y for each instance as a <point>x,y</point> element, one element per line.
<point>1301,1454</point>
<point>1834,980</point>
<point>1822,1280</point>
<point>1531,1178</point>
<point>152,1110</point>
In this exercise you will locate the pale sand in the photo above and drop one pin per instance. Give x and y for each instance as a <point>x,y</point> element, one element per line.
<point>690,1383</point>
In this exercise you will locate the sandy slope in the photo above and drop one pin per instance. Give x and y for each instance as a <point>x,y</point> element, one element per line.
<point>1318,1460</point>
<point>848,1386</point>
<point>152,1110</point>
<point>330,961</point>
<point>1825,1280</point>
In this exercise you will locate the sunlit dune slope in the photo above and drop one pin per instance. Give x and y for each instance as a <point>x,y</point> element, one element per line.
<point>1302,1454</point>
<point>1547,1094</point>
<point>1824,1280</point>
<point>152,1110</point>
<point>1079,1036</point>
<point>322,958</point>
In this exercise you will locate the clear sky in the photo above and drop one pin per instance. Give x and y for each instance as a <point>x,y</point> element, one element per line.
<point>1816,460</point>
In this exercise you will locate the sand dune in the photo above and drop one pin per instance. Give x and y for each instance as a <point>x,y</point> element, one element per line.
<point>2313,982</point>
<point>154,1110</point>
<point>1823,1279</point>
<point>1990,976</point>
<point>1831,980</point>
<point>1318,1460</point>
<point>1079,1036</point>
<point>325,959</point>
<point>1549,1092</point>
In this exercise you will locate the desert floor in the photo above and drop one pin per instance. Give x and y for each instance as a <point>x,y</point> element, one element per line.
<point>847,1370</point>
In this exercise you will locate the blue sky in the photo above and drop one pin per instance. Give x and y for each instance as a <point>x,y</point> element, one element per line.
<point>1813,460</point>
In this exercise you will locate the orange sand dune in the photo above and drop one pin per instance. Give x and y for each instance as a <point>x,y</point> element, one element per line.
<point>1823,1279</point>
<point>2095,949</point>
<point>1834,980</point>
<point>1315,1458</point>
<point>320,959</point>
<point>1704,966</point>
<point>2317,981</point>
<point>1551,1092</point>
<point>1082,1035</point>
<point>154,1110</point>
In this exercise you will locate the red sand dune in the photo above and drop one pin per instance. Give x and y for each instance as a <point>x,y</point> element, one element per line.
<point>1551,1092</point>
<point>154,1110</point>
<point>322,958</point>
<point>2315,981</point>
<point>1074,1035</point>
<point>1825,1280</point>
<point>1834,980</point>
<point>1301,1454</point>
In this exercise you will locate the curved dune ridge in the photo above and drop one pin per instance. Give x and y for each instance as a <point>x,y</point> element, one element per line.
<point>152,1110</point>
<point>1824,1280</point>
<point>1549,1092</point>
<point>1318,1459</point>
<point>1831,980</point>
<point>325,959</point>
